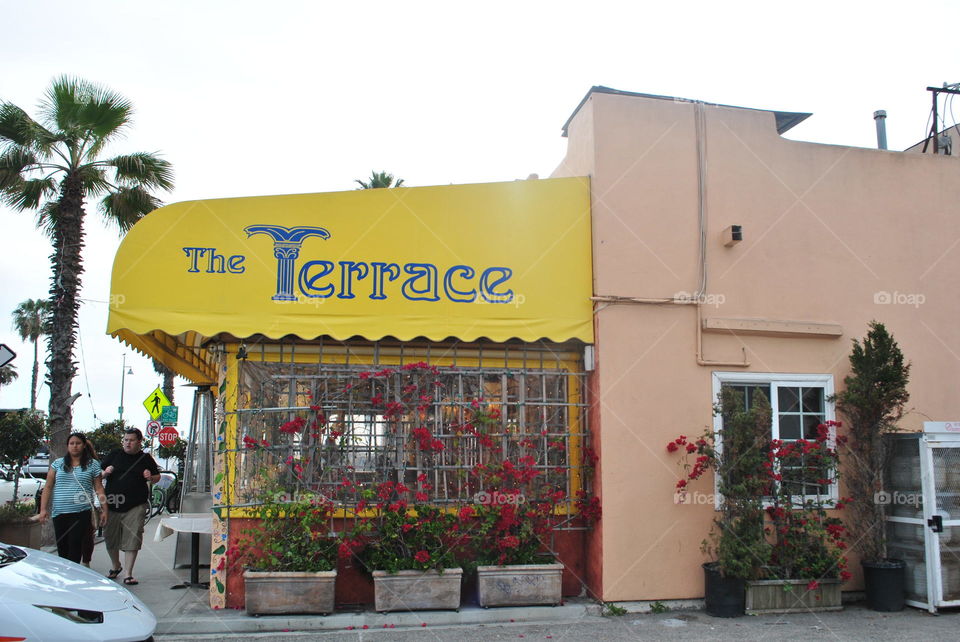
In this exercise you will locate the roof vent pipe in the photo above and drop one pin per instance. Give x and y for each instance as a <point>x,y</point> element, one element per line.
<point>880,116</point>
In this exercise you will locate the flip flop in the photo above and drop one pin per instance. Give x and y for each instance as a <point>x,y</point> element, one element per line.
<point>129,581</point>
<point>114,572</point>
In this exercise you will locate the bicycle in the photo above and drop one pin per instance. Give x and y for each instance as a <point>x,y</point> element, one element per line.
<point>165,494</point>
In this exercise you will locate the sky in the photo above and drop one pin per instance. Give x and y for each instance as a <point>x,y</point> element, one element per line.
<point>252,98</point>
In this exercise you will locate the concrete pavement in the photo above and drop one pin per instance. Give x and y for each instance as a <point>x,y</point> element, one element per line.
<point>184,614</point>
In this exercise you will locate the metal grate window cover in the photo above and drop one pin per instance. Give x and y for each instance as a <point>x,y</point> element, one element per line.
<point>331,428</point>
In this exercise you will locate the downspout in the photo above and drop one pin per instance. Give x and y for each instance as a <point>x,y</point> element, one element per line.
<point>700,125</point>
<point>701,132</point>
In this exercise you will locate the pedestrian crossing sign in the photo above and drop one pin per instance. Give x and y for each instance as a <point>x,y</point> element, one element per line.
<point>155,403</point>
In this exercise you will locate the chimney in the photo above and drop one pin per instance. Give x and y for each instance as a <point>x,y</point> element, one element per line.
<point>880,116</point>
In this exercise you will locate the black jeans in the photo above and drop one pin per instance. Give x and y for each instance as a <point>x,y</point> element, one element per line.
<point>71,529</point>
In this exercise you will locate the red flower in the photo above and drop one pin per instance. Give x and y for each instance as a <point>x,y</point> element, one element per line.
<point>813,585</point>
<point>422,556</point>
<point>672,447</point>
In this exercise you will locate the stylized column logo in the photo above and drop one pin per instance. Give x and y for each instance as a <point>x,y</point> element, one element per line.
<point>286,248</point>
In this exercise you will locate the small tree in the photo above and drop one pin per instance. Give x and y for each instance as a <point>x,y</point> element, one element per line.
<point>873,401</point>
<point>108,437</point>
<point>378,180</point>
<point>21,434</point>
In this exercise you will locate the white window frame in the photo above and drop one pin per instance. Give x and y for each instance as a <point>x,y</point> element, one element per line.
<point>775,380</point>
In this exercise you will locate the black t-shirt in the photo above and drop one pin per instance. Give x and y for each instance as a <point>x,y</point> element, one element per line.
<point>125,486</point>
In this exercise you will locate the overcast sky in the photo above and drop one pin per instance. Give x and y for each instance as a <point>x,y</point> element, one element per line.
<point>255,98</point>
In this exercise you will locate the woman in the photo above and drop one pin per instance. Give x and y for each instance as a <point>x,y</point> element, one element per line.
<point>89,541</point>
<point>71,482</point>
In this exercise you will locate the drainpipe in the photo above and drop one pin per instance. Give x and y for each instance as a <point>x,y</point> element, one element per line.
<point>880,116</point>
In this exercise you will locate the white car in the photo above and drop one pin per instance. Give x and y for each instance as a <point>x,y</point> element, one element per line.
<point>37,465</point>
<point>44,597</point>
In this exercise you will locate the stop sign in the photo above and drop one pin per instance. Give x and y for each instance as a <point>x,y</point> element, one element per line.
<point>168,436</point>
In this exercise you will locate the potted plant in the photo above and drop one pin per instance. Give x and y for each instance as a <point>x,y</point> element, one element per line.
<point>872,401</point>
<point>410,549</point>
<point>511,524</point>
<point>290,557</point>
<point>807,563</point>
<point>737,541</point>
<point>21,434</point>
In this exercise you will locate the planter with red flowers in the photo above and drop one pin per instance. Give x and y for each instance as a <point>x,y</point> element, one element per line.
<point>777,548</point>
<point>411,549</point>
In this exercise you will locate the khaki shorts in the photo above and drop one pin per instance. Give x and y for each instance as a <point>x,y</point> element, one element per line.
<point>124,531</point>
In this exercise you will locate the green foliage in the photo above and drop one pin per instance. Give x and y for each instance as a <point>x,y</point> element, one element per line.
<point>873,401</point>
<point>609,608</point>
<point>8,373</point>
<point>21,435</point>
<point>107,437</point>
<point>738,540</point>
<point>16,513</point>
<point>400,538</point>
<point>377,180</point>
<point>177,450</point>
<point>659,607</point>
<point>291,536</point>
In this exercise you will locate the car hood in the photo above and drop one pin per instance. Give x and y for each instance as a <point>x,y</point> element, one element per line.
<point>45,579</point>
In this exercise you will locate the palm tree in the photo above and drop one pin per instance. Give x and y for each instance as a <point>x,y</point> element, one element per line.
<point>379,179</point>
<point>7,374</point>
<point>52,166</point>
<point>167,375</point>
<point>31,320</point>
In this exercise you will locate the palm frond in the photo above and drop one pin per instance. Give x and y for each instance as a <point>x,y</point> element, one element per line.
<point>18,128</point>
<point>148,170</point>
<point>27,194</point>
<point>47,218</point>
<point>127,205</point>
<point>14,160</point>
<point>94,179</point>
<point>88,114</point>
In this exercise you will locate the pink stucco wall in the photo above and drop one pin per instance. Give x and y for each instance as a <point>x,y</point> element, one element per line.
<point>827,231</point>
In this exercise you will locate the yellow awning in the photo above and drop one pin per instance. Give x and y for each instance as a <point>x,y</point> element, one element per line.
<point>497,260</point>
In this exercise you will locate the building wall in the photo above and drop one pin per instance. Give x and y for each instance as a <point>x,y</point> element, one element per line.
<point>832,235</point>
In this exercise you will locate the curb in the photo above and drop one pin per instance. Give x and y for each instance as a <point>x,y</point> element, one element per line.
<point>222,622</point>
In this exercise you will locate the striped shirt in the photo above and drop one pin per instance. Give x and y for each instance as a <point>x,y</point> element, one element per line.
<point>68,496</point>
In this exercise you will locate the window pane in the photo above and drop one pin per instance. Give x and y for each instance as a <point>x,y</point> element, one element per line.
<point>813,400</point>
<point>789,399</point>
<point>810,423</point>
<point>789,426</point>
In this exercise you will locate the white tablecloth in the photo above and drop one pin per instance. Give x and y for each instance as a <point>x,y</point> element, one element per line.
<point>184,523</point>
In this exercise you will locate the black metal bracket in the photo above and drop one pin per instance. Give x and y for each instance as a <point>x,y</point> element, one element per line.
<point>936,523</point>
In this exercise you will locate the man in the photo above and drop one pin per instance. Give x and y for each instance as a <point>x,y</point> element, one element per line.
<point>127,472</point>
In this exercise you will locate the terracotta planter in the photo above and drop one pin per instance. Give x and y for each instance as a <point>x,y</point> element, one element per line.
<point>417,590</point>
<point>792,596</point>
<point>29,534</point>
<point>519,585</point>
<point>275,592</point>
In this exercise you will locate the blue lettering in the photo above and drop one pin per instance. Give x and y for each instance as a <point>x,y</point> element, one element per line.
<point>390,270</point>
<point>347,270</point>
<point>417,272</point>
<point>487,288</point>
<point>306,281</point>
<point>194,254</point>
<point>235,264</point>
<point>454,294</point>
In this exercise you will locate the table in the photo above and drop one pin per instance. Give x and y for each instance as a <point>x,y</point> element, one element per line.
<point>195,524</point>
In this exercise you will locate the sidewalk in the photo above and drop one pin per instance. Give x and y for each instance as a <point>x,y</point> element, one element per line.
<point>184,614</point>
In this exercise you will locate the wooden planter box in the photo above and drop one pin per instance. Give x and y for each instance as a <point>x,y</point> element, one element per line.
<point>519,585</point>
<point>29,534</point>
<point>790,596</point>
<point>417,590</point>
<point>275,592</point>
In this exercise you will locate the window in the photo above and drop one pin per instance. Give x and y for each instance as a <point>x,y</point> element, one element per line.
<point>798,404</point>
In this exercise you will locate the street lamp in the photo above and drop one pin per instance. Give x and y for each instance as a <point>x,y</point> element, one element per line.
<point>124,371</point>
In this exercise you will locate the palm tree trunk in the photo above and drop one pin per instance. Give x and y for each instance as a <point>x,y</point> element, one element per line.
<point>65,285</point>
<point>33,381</point>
